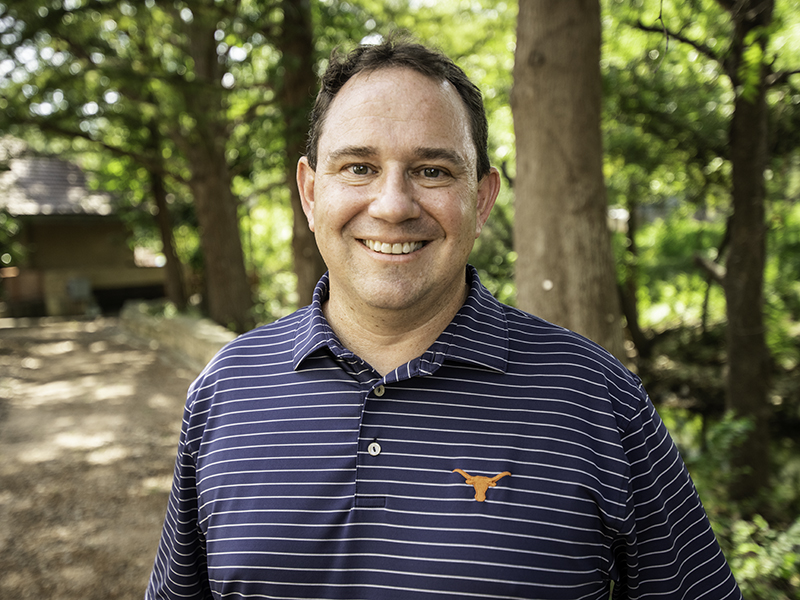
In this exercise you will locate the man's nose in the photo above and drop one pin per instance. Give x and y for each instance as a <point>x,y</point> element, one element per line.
<point>395,200</point>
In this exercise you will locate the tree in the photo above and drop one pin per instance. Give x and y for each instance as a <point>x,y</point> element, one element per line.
<point>741,32</point>
<point>565,269</point>
<point>748,357</point>
<point>205,145</point>
<point>114,74</point>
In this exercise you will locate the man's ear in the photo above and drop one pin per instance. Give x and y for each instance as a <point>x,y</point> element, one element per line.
<point>488,188</point>
<point>305,185</point>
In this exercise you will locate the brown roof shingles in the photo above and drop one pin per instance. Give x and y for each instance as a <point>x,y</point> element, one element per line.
<point>43,186</point>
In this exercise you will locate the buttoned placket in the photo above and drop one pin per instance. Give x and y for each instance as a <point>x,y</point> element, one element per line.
<point>374,448</point>
<point>370,451</point>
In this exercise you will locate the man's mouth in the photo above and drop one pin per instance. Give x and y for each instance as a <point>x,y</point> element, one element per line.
<point>396,248</point>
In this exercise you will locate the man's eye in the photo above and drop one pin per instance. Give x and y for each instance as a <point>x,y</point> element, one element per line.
<point>432,172</point>
<point>359,170</point>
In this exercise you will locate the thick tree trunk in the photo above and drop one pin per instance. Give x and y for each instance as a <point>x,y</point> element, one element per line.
<point>565,266</point>
<point>227,287</point>
<point>748,356</point>
<point>297,49</point>
<point>229,295</point>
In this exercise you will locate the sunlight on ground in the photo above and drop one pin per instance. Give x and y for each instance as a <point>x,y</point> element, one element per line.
<point>56,348</point>
<point>157,484</point>
<point>106,456</point>
<point>85,390</point>
<point>83,441</point>
<point>88,431</point>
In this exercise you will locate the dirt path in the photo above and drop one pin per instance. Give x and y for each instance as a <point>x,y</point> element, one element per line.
<point>89,422</point>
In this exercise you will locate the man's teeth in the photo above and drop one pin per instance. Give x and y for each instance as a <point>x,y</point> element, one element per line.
<point>384,248</point>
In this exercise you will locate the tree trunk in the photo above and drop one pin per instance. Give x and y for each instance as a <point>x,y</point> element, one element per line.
<point>297,49</point>
<point>565,265</point>
<point>227,287</point>
<point>630,282</point>
<point>174,287</point>
<point>748,356</point>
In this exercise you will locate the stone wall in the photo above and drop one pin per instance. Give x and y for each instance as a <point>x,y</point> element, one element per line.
<point>195,339</point>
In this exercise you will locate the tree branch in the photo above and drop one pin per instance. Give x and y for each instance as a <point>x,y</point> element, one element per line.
<point>504,171</point>
<point>729,5</point>
<point>145,161</point>
<point>664,30</point>
<point>780,77</point>
<point>715,270</point>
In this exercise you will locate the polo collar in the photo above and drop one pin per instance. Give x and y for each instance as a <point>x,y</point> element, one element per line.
<point>477,335</point>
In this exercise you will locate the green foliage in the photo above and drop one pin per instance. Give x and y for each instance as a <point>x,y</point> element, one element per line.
<point>266,229</point>
<point>11,251</point>
<point>672,287</point>
<point>751,68</point>
<point>765,561</point>
<point>783,288</point>
<point>764,556</point>
<point>492,255</point>
<point>669,102</point>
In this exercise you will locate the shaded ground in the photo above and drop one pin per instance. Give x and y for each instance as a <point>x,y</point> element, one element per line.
<point>89,422</point>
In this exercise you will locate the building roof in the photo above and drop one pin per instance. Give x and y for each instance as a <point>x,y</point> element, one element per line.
<point>48,186</point>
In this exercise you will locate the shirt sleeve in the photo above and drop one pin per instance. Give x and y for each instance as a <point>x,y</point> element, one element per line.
<point>666,547</point>
<point>180,569</point>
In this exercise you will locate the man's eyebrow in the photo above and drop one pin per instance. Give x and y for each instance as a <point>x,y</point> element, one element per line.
<point>352,152</point>
<point>420,153</point>
<point>441,154</point>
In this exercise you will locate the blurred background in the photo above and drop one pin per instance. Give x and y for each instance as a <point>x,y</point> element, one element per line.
<point>650,153</point>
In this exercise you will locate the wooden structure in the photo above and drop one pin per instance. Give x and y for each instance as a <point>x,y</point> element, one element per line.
<point>77,257</point>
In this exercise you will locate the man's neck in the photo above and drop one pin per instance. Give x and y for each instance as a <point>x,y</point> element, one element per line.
<point>387,339</point>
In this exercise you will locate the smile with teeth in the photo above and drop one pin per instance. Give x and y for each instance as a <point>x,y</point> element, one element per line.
<point>397,248</point>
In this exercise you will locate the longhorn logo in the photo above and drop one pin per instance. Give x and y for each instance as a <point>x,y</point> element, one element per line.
<point>481,483</point>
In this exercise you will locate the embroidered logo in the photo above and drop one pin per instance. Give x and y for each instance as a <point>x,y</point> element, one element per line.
<point>481,483</point>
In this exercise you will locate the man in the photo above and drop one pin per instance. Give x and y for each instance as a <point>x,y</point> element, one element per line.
<point>406,435</point>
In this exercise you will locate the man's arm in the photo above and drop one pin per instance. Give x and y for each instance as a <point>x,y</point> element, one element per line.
<point>180,569</point>
<point>667,548</point>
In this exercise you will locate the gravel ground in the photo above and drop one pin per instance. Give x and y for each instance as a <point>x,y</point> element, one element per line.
<point>89,423</point>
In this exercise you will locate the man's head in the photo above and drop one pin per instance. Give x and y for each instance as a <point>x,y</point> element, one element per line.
<point>394,196</point>
<point>399,54</point>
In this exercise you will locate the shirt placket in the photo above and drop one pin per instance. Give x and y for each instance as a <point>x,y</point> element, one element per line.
<point>370,493</point>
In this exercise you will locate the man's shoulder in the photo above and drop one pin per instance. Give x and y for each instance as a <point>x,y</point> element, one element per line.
<point>531,339</point>
<point>535,341</point>
<point>531,329</point>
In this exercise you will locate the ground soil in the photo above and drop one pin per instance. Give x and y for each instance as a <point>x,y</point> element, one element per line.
<point>89,423</point>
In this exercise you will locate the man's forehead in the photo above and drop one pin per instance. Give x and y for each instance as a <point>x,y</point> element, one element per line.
<point>398,94</point>
<point>390,86</point>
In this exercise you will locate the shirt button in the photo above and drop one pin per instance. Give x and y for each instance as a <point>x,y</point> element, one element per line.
<point>374,449</point>
<point>380,391</point>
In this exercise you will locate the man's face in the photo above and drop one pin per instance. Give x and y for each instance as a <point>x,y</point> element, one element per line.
<point>395,203</point>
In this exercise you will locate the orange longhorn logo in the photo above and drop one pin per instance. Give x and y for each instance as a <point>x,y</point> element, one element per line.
<point>481,483</point>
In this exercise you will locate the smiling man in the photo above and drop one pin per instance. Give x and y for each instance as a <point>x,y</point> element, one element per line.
<point>407,435</point>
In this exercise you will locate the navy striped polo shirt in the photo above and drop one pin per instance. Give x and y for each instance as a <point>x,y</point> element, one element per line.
<point>513,459</point>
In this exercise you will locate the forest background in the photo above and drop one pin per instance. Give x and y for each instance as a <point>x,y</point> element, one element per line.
<point>651,164</point>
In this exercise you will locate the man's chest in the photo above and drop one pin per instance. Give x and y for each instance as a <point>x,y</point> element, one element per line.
<point>401,487</point>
